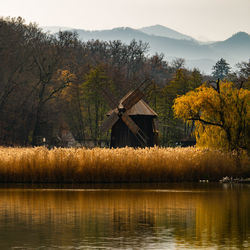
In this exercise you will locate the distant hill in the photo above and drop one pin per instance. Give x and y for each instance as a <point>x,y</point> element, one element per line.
<point>55,29</point>
<point>240,38</point>
<point>160,30</point>
<point>169,46</point>
<point>237,45</point>
<point>124,34</point>
<point>200,55</point>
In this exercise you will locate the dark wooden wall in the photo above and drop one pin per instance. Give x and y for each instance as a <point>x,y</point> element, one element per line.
<point>121,136</point>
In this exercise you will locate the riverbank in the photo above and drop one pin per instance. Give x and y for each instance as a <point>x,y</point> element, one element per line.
<point>124,165</point>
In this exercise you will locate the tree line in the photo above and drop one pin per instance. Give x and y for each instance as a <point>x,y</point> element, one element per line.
<point>53,83</point>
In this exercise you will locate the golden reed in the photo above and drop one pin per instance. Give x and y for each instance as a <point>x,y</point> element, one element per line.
<point>125,165</point>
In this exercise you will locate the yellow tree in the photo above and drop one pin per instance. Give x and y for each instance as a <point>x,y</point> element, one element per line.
<point>221,115</point>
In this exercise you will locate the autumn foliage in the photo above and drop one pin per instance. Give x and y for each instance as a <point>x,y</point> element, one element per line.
<point>52,85</point>
<point>221,115</point>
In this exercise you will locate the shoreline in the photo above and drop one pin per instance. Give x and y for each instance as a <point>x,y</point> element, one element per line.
<point>104,187</point>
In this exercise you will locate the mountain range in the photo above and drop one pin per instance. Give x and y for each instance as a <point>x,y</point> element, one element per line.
<point>174,44</point>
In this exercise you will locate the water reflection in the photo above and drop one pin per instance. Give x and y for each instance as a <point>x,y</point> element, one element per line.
<point>125,218</point>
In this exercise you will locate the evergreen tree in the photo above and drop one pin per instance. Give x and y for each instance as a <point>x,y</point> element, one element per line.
<point>221,69</point>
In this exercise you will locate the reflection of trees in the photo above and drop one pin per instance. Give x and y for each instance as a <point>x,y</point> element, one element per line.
<point>122,218</point>
<point>223,218</point>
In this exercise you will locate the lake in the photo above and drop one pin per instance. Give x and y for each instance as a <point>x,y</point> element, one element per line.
<point>173,216</point>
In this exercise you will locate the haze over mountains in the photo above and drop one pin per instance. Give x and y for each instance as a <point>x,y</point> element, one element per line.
<point>159,30</point>
<point>175,45</point>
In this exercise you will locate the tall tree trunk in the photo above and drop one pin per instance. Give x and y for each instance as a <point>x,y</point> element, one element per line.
<point>36,130</point>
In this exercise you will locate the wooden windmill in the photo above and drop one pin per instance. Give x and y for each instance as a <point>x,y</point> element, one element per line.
<point>131,120</point>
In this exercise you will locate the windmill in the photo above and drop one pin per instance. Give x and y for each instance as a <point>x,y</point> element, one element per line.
<point>131,120</point>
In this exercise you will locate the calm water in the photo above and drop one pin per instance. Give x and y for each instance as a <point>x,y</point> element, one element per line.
<point>172,217</point>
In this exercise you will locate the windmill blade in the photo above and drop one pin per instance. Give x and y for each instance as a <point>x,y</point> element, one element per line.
<point>134,129</point>
<point>109,122</point>
<point>144,85</point>
<point>135,96</point>
<point>111,100</point>
<point>132,99</point>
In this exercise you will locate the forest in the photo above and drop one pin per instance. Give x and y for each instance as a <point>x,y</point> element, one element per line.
<point>52,86</point>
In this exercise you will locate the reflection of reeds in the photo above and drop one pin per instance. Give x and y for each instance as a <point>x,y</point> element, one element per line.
<point>60,206</point>
<point>116,165</point>
<point>199,217</point>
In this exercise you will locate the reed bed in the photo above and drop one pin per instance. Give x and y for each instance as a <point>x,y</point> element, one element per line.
<point>123,165</point>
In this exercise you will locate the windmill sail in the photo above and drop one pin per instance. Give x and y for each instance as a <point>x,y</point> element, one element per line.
<point>110,99</point>
<point>109,122</point>
<point>132,99</point>
<point>135,129</point>
<point>135,96</point>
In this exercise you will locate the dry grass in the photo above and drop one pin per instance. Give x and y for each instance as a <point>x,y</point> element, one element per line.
<point>60,165</point>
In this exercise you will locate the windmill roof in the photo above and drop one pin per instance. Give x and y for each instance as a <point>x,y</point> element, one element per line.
<point>140,108</point>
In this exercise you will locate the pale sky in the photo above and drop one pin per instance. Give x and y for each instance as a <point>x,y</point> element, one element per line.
<point>201,19</point>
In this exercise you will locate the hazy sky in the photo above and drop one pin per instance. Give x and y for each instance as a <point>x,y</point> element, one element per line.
<point>202,19</point>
